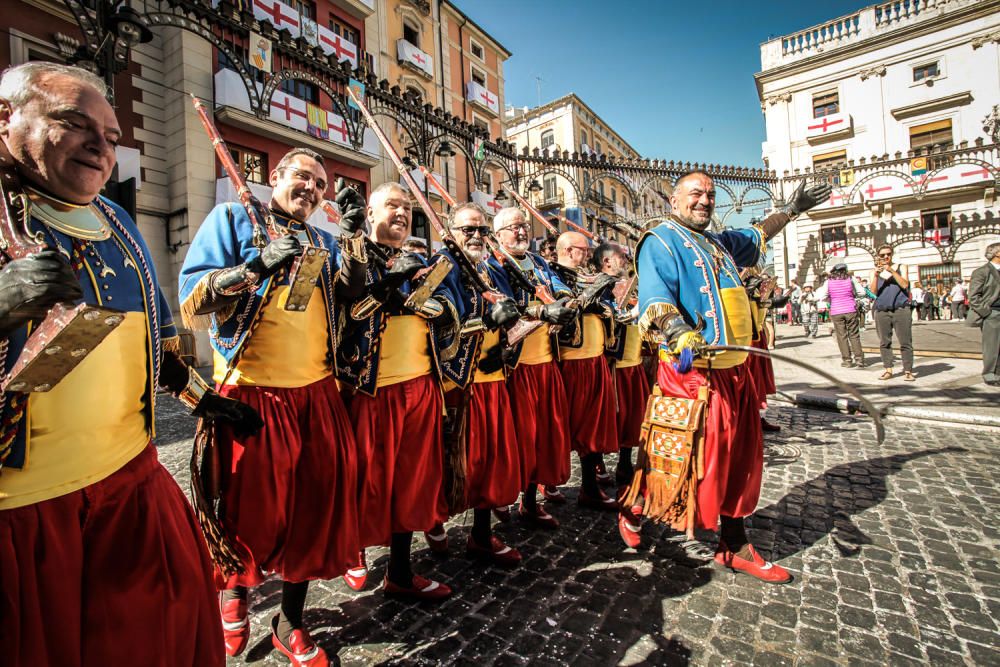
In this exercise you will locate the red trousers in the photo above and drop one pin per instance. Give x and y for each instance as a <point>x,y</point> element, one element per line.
<point>399,437</point>
<point>113,574</point>
<point>762,371</point>
<point>591,398</point>
<point>538,402</point>
<point>495,472</point>
<point>291,495</point>
<point>734,444</point>
<point>633,394</point>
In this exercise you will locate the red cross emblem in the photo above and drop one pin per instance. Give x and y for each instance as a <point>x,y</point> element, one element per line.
<point>872,190</point>
<point>825,125</point>
<point>486,97</point>
<point>341,130</point>
<point>338,48</point>
<point>982,171</point>
<point>923,179</point>
<point>419,58</point>
<point>834,198</point>
<point>493,206</point>
<point>287,108</point>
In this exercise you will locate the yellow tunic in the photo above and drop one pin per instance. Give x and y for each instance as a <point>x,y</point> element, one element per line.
<point>632,354</point>
<point>490,340</point>
<point>404,354</point>
<point>593,340</point>
<point>89,425</point>
<point>739,328</point>
<point>288,349</point>
<point>537,347</point>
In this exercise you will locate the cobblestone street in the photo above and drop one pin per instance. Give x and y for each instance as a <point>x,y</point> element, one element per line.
<point>893,548</point>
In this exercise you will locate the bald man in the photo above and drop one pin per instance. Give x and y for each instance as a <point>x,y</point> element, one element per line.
<point>590,390</point>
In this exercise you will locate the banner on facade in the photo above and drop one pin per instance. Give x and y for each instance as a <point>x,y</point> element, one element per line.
<point>846,177</point>
<point>918,166</point>
<point>310,31</point>
<point>359,90</point>
<point>317,122</point>
<point>260,52</point>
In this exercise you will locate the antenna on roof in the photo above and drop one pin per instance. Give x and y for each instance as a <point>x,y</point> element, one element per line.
<point>538,89</point>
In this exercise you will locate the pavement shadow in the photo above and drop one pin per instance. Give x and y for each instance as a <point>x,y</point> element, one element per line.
<point>803,516</point>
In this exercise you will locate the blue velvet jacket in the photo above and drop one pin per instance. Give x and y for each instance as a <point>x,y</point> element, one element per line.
<point>683,271</point>
<point>461,368</point>
<point>358,354</point>
<point>225,240</point>
<point>117,273</point>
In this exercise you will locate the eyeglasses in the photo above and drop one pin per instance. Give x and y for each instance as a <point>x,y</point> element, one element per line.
<point>472,230</point>
<point>308,178</point>
<point>580,248</point>
<point>516,227</point>
<point>885,254</point>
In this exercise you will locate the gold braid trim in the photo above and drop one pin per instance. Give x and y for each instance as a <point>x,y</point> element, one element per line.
<point>354,247</point>
<point>453,329</point>
<point>199,295</point>
<point>653,313</point>
<point>172,344</point>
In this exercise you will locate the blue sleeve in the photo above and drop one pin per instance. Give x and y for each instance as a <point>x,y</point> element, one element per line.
<point>658,276</point>
<point>746,246</point>
<point>559,288</point>
<point>451,288</point>
<point>216,246</point>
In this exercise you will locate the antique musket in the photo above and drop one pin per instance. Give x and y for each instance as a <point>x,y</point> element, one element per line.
<point>68,333</point>
<point>870,408</point>
<point>304,272</point>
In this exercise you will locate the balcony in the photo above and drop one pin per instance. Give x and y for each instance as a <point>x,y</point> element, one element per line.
<point>411,57</point>
<point>831,126</point>
<point>479,95</point>
<point>361,9</point>
<point>869,22</point>
<point>550,202</point>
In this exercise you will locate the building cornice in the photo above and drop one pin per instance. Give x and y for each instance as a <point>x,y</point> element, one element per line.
<point>890,38</point>
<point>928,106</point>
<point>485,35</point>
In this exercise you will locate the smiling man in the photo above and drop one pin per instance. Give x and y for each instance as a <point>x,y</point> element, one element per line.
<point>235,283</point>
<point>102,561</point>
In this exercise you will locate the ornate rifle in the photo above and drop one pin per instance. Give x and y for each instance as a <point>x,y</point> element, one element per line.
<point>305,270</point>
<point>376,255</point>
<point>68,333</point>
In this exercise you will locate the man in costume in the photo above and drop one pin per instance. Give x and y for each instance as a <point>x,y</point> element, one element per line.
<point>535,386</point>
<point>235,282</point>
<point>590,390</point>
<point>483,463</point>
<point>103,563</point>
<point>388,370</point>
<point>690,296</point>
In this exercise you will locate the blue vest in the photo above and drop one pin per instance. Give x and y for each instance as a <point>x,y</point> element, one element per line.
<point>889,295</point>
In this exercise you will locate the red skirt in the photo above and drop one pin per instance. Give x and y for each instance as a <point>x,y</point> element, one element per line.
<point>633,394</point>
<point>113,574</point>
<point>734,444</point>
<point>591,398</point>
<point>399,437</point>
<point>291,495</point>
<point>538,402</point>
<point>762,371</point>
<point>494,471</point>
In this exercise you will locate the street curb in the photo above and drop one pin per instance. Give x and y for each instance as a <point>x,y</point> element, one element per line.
<point>851,406</point>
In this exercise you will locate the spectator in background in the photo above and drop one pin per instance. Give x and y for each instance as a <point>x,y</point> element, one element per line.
<point>795,294</point>
<point>958,297</point>
<point>892,312</point>
<point>984,311</point>
<point>842,293</point>
<point>809,312</point>
<point>917,300</point>
<point>417,246</point>
<point>945,307</point>
<point>547,249</point>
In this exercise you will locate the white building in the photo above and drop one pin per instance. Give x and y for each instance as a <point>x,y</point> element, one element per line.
<point>889,104</point>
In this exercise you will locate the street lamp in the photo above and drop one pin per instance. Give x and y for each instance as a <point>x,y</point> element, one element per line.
<point>444,149</point>
<point>534,186</point>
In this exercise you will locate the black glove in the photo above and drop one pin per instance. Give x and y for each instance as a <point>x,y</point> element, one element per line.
<point>501,314</point>
<point>243,419</point>
<point>32,285</point>
<point>493,360</point>
<point>403,268</point>
<point>353,209</point>
<point>557,312</point>
<point>803,199</point>
<point>593,292</point>
<point>275,255</point>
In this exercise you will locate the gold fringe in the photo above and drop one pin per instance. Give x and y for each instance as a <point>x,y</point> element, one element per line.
<point>456,459</point>
<point>205,491</point>
<point>453,330</point>
<point>652,313</point>
<point>189,307</point>
<point>172,344</point>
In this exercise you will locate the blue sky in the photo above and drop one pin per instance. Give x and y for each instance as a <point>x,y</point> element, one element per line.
<point>674,79</point>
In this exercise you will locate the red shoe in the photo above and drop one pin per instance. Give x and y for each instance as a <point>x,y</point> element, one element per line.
<point>502,513</point>
<point>356,577</point>
<point>599,502</point>
<point>437,539</point>
<point>768,427</point>
<point>757,567</point>
<point>421,588</point>
<point>553,495</point>
<point>630,525</point>
<point>539,517</point>
<point>235,625</point>
<point>301,651</point>
<point>498,552</point>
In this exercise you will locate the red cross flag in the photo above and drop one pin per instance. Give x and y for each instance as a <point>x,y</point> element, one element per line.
<point>335,45</point>
<point>338,129</point>
<point>279,14</point>
<point>289,110</point>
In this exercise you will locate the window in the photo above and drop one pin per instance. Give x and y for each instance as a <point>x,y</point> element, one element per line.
<point>307,9</point>
<point>825,104</point>
<point>550,188</point>
<point>934,275</point>
<point>926,71</point>
<point>828,166</point>
<point>597,147</point>
<point>253,164</point>
<point>476,49</point>
<point>302,90</point>
<point>936,134</point>
<point>834,238</point>
<point>583,137</point>
<point>413,90</point>
<point>614,195</point>
<point>548,138</point>
<point>936,224</point>
<point>225,62</point>
<point>345,31</point>
<point>411,33</point>
<point>419,226</point>
<point>480,123</point>
<point>478,76</point>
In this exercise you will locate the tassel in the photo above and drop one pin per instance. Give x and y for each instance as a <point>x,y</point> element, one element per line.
<point>172,344</point>
<point>199,295</point>
<point>456,462</point>
<point>204,491</point>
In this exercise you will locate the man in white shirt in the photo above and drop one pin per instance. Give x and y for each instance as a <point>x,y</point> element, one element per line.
<point>957,297</point>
